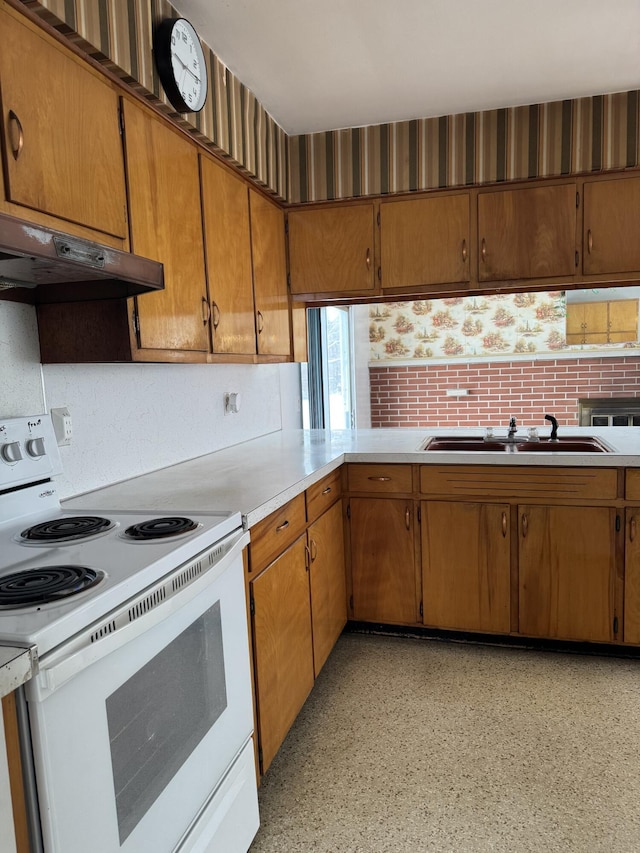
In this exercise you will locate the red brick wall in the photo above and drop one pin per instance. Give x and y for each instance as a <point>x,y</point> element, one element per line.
<point>415,395</point>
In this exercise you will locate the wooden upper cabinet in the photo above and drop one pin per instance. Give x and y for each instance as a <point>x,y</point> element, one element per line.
<point>527,233</point>
<point>61,141</point>
<point>331,250</point>
<point>225,209</point>
<point>611,237</point>
<point>602,322</point>
<point>269,276</point>
<point>622,320</point>
<point>424,241</point>
<point>166,225</point>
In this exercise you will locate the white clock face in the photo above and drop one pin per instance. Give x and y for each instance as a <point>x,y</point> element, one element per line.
<point>187,60</point>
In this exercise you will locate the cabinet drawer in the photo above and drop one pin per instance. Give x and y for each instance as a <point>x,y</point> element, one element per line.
<point>276,532</point>
<point>511,482</point>
<point>322,494</point>
<point>380,478</point>
<point>632,484</point>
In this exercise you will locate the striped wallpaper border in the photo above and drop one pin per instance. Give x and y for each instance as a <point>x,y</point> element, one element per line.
<point>119,35</point>
<point>511,144</point>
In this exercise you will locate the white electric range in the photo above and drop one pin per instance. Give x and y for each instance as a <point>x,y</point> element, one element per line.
<point>138,621</point>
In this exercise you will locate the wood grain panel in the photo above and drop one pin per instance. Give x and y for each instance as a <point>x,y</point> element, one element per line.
<point>225,210</point>
<point>71,163</point>
<point>424,241</point>
<point>283,646</point>
<point>166,225</point>
<point>269,276</point>
<point>466,565</point>
<point>512,482</point>
<point>611,236</point>
<point>379,478</point>
<point>527,233</point>
<point>567,572</point>
<point>328,583</point>
<point>632,577</point>
<point>632,484</point>
<point>14,762</point>
<point>276,532</point>
<point>382,560</point>
<point>322,494</point>
<point>329,248</point>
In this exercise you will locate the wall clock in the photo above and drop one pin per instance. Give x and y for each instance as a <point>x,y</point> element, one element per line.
<point>180,62</point>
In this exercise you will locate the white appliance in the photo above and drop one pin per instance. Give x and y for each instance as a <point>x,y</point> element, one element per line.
<point>138,725</point>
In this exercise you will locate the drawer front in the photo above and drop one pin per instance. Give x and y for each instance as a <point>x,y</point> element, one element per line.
<point>322,494</point>
<point>276,532</point>
<point>511,482</point>
<point>380,478</point>
<point>632,484</point>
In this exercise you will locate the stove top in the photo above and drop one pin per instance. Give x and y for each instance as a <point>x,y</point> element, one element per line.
<point>61,570</point>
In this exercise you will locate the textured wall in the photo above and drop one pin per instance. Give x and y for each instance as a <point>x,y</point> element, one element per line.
<point>415,396</point>
<point>119,34</point>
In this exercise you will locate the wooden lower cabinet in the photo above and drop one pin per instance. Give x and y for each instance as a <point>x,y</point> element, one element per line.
<point>567,572</point>
<point>328,582</point>
<point>383,574</point>
<point>466,565</point>
<point>632,576</point>
<point>282,646</point>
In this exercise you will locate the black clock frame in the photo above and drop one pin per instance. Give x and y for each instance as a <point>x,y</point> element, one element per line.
<point>164,66</point>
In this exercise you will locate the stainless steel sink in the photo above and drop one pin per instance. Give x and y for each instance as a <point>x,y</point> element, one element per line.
<point>476,444</point>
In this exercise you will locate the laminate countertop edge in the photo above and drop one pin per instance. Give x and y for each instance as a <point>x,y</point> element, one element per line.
<point>17,665</point>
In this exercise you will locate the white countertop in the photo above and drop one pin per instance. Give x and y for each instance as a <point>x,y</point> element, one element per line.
<point>258,476</point>
<point>16,666</point>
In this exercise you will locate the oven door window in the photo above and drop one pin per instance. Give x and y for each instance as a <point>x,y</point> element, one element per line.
<point>158,717</point>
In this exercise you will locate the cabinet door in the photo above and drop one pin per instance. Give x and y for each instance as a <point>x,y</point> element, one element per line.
<point>623,321</point>
<point>269,276</point>
<point>632,577</point>
<point>596,325</point>
<point>331,250</point>
<point>527,233</point>
<point>383,560</point>
<point>567,572</point>
<point>611,239</point>
<point>282,646</point>
<point>424,241</point>
<point>166,225</point>
<point>62,146</point>
<point>328,585</point>
<point>466,565</point>
<point>225,210</point>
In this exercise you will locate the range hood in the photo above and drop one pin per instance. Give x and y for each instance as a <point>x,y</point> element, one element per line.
<point>40,265</point>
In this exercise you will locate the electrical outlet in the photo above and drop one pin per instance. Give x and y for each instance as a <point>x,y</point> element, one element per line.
<point>62,426</point>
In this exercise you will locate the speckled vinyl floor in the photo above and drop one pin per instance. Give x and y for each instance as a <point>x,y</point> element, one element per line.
<point>411,745</point>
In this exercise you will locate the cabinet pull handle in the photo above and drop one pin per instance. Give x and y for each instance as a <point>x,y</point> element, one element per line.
<point>407,518</point>
<point>464,251</point>
<point>16,150</point>
<point>206,310</point>
<point>368,259</point>
<point>282,526</point>
<point>589,241</point>
<point>260,322</point>
<point>525,525</point>
<point>504,523</point>
<point>483,249</point>
<point>326,491</point>
<point>380,479</point>
<point>314,550</point>
<point>307,557</point>
<point>216,314</point>
<point>632,529</point>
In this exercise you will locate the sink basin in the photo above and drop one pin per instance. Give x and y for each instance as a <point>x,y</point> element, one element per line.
<point>475,444</point>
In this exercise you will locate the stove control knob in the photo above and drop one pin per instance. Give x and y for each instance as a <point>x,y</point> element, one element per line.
<point>35,447</point>
<point>11,452</point>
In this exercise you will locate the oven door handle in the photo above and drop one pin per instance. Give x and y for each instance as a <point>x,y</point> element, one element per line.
<point>63,663</point>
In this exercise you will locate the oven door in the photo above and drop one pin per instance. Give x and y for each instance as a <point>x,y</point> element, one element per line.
<point>131,751</point>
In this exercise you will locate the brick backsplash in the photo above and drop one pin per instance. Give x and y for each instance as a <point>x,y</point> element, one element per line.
<point>416,395</point>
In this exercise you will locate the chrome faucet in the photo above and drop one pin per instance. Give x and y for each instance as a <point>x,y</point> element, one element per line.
<point>513,429</point>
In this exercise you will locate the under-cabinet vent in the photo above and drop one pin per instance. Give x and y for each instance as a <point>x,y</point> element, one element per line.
<point>146,604</point>
<point>103,630</point>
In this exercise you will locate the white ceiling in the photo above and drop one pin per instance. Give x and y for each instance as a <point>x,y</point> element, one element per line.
<point>325,64</point>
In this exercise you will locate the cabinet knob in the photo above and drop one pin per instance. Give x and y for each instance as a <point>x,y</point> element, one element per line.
<point>368,259</point>
<point>216,314</point>
<point>16,148</point>
<point>589,241</point>
<point>206,310</point>
<point>407,518</point>
<point>326,491</point>
<point>260,321</point>
<point>483,249</point>
<point>464,251</point>
<point>525,525</point>
<point>380,479</point>
<point>282,526</point>
<point>504,523</point>
<point>313,549</point>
